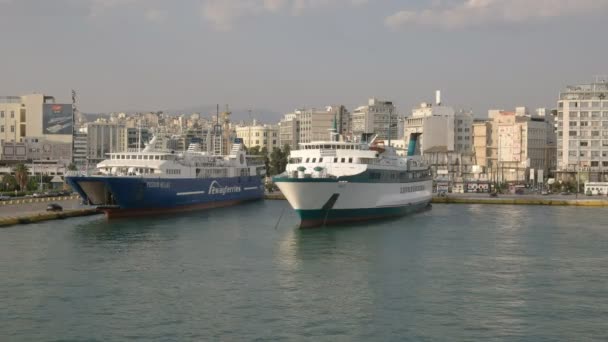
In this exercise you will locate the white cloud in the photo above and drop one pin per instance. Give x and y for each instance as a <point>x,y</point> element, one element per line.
<point>222,14</point>
<point>481,12</point>
<point>156,16</point>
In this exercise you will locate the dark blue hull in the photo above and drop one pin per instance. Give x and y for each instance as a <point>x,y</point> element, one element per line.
<point>132,196</point>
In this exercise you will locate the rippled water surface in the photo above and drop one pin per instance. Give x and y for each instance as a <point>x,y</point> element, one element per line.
<point>454,273</point>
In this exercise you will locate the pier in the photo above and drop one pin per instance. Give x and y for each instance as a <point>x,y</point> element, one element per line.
<point>555,200</point>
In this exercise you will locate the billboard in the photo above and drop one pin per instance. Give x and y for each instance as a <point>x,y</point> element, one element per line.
<point>57,119</point>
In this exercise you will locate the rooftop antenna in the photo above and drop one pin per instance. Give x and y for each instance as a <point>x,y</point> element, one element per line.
<point>601,78</point>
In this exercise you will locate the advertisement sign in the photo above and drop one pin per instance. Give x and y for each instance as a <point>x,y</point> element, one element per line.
<point>532,175</point>
<point>540,175</point>
<point>57,119</point>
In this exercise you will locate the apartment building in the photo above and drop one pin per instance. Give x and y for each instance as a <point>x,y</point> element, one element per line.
<point>582,132</point>
<point>375,118</point>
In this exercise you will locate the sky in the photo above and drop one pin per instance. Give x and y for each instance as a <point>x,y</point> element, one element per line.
<point>279,55</point>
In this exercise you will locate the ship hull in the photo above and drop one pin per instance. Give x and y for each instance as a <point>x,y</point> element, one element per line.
<point>321,202</point>
<point>141,196</point>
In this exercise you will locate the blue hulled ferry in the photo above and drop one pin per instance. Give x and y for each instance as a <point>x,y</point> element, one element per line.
<point>149,182</point>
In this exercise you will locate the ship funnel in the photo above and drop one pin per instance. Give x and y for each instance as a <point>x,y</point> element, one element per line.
<point>438,97</point>
<point>411,149</point>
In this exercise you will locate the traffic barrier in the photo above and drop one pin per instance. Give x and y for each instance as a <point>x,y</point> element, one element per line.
<point>520,201</point>
<point>38,200</point>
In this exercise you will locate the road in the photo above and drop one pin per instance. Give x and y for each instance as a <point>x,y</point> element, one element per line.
<point>33,208</point>
<point>530,196</point>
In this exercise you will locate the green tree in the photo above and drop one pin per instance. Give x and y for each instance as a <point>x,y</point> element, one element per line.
<point>254,151</point>
<point>32,184</point>
<point>285,157</point>
<point>21,175</point>
<point>276,161</point>
<point>9,183</point>
<point>72,167</point>
<point>264,152</point>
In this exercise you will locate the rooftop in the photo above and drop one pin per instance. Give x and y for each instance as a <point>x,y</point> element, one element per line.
<point>592,91</point>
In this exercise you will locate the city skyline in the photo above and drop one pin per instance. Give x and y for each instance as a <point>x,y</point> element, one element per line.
<point>124,55</point>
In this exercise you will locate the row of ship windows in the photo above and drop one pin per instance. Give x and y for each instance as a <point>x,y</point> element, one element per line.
<point>139,157</point>
<point>402,176</point>
<point>173,171</point>
<point>314,160</point>
<point>406,189</point>
<point>331,147</point>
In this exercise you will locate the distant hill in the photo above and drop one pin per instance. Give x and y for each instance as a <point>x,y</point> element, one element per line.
<point>238,114</point>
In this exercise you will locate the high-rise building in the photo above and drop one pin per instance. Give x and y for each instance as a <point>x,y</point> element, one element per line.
<point>463,132</point>
<point>80,148</point>
<point>375,118</point>
<point>289,131</point>
<point>306,125</point>
<point>104,138</point>
<point>582,132</point>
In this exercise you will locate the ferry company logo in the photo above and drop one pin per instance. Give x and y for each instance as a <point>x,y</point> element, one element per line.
<point>216,188</point>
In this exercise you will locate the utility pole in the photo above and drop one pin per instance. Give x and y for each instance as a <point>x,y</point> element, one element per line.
<point>250,124</point>
<point>73,122</point>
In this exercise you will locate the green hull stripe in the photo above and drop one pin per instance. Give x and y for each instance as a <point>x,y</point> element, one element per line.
<point>337,215</point>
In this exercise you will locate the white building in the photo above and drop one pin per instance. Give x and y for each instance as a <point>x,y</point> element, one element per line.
<point>582,132</point>
<point>517,145</point>
<point>259,135</point>
<point>35,116</point>
<point>37,124</point>
<point>375,118</point>
<point>439,126</point>
<point>430,126</point>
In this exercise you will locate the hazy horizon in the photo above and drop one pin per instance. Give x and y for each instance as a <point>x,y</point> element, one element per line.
<point>279,55</point>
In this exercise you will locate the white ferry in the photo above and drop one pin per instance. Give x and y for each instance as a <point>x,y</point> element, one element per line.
<point>329,182</point>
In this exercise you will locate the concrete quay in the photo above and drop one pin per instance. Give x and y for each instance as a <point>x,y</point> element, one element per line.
<point>570,200</point>
<point>33,210</point>
<point>45,216</point>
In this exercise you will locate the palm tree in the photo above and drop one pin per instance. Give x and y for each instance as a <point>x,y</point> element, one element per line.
<point>21,174</point>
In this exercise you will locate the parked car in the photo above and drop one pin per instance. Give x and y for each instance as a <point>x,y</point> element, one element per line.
<point>4,198</point>
<point>493,194</point>
<point>37,195</point>
<point>54,207</point>
<point>545,193</point>
<point>565,193</point>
